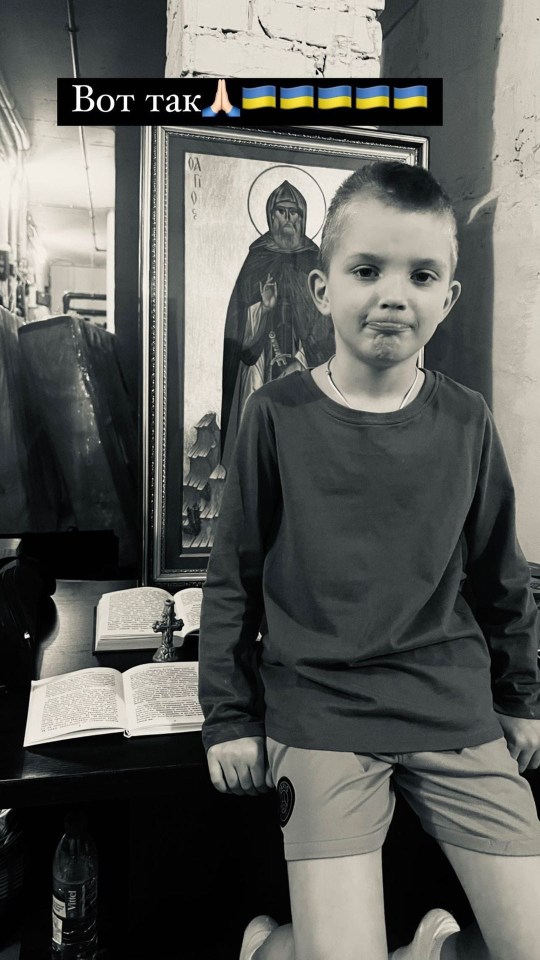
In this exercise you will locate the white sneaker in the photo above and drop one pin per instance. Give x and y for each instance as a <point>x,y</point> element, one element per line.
<point>256,932</point>
<point>430,935</point>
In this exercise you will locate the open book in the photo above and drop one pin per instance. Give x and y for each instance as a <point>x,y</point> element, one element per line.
<point>152,698</point>
<point>125,617</point>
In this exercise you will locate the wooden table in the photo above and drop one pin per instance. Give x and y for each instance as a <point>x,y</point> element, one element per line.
<point>169,844</point>
<point>82,769</point>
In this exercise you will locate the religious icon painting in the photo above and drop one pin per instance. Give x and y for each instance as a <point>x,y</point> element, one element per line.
<point>230,230</point>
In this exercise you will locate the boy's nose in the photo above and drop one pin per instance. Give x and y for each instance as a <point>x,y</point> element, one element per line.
<point>393,303</point>
<point>392,295</point>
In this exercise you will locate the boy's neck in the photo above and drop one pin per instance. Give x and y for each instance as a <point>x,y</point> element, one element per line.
<point>361,386</point>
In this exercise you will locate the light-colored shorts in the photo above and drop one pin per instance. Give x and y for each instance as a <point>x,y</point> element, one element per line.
<point>335,804</point>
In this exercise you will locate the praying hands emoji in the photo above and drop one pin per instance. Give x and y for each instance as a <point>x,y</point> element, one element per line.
<point>221,102</point>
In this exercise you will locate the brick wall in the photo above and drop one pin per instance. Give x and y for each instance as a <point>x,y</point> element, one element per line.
<point>273,38</point>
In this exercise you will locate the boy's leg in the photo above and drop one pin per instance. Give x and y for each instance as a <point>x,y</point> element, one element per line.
<point>504,893</point>
<point>481,811</point>
<point>337,910</point>
<point>334,809</point>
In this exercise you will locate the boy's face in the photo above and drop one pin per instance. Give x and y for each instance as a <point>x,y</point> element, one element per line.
<point>389,284</point>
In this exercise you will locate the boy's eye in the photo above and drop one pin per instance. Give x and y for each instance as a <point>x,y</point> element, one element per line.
<point>423,277</point>
<point>366,273</point>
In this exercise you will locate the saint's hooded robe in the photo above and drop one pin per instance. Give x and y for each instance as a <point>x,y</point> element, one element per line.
<point>294,327</point>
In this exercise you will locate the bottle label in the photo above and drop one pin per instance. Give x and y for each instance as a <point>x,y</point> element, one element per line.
<point>75,901</point>
<point>56,928</point>
<point>74,915</point>
<point>59,907</point>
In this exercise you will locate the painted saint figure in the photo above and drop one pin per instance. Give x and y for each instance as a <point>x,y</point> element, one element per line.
<point>272,326</point>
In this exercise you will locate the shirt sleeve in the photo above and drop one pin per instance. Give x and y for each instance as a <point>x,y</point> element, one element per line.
<point>230,688</point>
<point>500,582</point>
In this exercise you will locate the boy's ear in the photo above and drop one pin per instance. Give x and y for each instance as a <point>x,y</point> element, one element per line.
<point>318,288</point>
<point>454,291</point>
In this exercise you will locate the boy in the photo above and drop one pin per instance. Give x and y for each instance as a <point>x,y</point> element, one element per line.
<point>367,498</point>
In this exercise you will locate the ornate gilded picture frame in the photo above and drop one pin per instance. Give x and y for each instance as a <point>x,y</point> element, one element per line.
<point>221,212</point>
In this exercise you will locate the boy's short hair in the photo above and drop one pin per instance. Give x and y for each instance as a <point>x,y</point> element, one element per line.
<point>395,183</point>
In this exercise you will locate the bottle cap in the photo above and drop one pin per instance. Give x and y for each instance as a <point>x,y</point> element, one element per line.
<point>75,823</point>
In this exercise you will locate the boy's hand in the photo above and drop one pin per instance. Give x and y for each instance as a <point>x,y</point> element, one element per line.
<point>240,766</point>
<point>523,739</point>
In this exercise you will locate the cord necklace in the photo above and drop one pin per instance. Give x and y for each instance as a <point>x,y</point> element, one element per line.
<point>344,398</point>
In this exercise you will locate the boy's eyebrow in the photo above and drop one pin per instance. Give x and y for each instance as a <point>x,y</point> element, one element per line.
<point>429,262</point>
<point>417,262</point>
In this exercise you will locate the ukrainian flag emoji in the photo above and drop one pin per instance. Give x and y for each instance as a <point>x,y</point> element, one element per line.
<point>253,98</point>
<point>407,97</point>
<point>293,97</point>
<point>369,97</point>
<point>332,97</point>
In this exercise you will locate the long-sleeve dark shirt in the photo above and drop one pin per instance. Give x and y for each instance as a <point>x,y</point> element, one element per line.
<point>363,542</point>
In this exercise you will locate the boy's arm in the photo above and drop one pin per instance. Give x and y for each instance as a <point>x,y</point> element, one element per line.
<point>230,688</point>
<point>500,580</point>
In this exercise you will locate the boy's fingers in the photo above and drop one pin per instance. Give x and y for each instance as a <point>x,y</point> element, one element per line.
<point>244,777</point>
<point>268,778</point>
<point>257,775</point>
<point>238,767</point>
<point>249,779</point>
<point>216,775</point>
<point>524,760</point>
<point>224,776</point>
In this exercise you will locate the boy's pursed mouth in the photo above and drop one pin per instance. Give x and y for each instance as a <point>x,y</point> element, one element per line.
<point>391,326</point>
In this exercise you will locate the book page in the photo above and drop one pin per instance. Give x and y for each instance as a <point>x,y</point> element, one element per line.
<point>131,612</point>
<point>163,695</point>
<point>86,701</point>
<point>188,608</point>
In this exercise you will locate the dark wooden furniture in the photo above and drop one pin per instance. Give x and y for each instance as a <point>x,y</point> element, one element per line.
<point>182,868</point>
<point>80,770</point>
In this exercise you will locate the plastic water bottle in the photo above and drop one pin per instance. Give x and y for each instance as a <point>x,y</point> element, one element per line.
<point>74,901</point>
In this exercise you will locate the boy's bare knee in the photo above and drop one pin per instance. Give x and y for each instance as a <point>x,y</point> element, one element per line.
<point>278,946</point>
<point>338,911</point>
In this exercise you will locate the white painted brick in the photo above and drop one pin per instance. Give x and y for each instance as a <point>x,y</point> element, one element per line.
<point>232,15</point>
<point>377,37</point>
<point>343,25</point>
<point>244,55</point>
<point>362,36</point>
<point>318,28</point>
<point>175,44</point>
<point>341,36</point>
<point>305,4</point>
<point>285,20</point>
<point>176,35</point>
<point>183,62</point>
<point>337,63</point>
<point>369,67</point>
<point>173,63</point>
<point>361,8</point>
<point>377,6</point>
<point>322,5</point>
<point>187,10</point>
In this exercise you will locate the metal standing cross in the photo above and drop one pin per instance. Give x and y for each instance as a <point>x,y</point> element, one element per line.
<point>167,652</point>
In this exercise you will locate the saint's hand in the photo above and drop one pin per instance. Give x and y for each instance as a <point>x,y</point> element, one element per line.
<point>268,292</point>
<point>240,766</point>
<point>523,739</point>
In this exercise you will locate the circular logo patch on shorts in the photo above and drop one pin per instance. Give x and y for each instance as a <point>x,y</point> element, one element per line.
<point>285,792</point>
